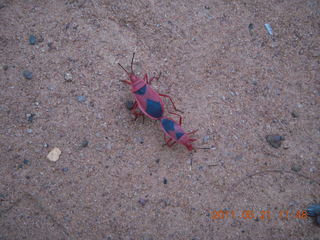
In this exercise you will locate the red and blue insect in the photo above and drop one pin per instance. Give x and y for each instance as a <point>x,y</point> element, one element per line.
<point>176,133</point>
<point>146,98</point>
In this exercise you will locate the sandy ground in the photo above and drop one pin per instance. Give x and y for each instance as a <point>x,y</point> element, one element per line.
<point>115,179</point>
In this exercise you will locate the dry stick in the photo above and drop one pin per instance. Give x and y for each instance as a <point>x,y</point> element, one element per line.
<point>264,172</point>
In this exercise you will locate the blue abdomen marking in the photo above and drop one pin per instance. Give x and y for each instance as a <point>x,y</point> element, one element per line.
<point>168,125</point>
<point>142,90</point>
<point>179,135</point>
<point>154,108</point>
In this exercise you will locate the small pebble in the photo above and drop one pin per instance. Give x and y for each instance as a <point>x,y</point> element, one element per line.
<point>32,40</point>
<point>81,98</point>
<point>296,168</point>
<point>165,181</point>
<point>45,145</point>
<point>85,143</point>
<point>250,27</point>
<point>141,140</point>
<point>27,74</point>
<point>50,46</point>
<point>54,154</point>
<point>30,117</point>
<point>158,160</point>
<point>68,77</point>
<point>26,162</point>
<point>143,201</point>
<point>5,67</point>
<point>205,139</point>
<point>275,140</point>
<point>294,114</point>
<point>129,104</point>
<point>268,28</point>
<point>29,130</point>
<point>40,39</point>
<point>65,169</point>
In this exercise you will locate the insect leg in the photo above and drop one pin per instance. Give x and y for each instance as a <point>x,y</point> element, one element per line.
<point>180,117</point>
<point>145,78</point>
<point>136,115</point>
<point>165,139</point>
<point>167,96</point>
<point>125,81</point>
<point>154,78</point>
<point>132,62</point>
<point>170,145</point>
<point>192,132</point>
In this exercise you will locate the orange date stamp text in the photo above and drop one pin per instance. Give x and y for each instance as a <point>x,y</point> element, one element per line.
<point>261,215</point>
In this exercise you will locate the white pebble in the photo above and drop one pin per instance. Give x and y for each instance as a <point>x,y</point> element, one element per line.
<point>54,154</point>
<point>269,28</point>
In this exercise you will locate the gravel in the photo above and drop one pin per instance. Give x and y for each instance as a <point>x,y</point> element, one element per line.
<point>275,140</point>
<point>32,40</point>
<point>81,98</point>
<point>27,74</point>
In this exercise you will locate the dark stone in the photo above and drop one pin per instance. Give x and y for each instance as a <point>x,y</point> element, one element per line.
<point>165,181</point>
<point>27,74</point>
<point>275,140</point>
<point>158,160</point>
<point>129,104</point>
<point>141,140</point>
<point>5,67</point>
<point>65,169</point>
<point>143,201</point>
<point>85,143</point>
<point>294,114</point>
<point>40,39</point>
<point>30,117</point>
<point>250,27</point>
<point>26,162</point>
<point>32,40</point>
<point>296,168</point>
<point>50,45</point>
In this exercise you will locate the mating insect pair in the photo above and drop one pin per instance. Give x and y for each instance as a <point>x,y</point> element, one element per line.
<point>149,102</point>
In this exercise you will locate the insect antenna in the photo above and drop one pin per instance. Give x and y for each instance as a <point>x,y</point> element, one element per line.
<point>123,68</point>
<point>132,62</point>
